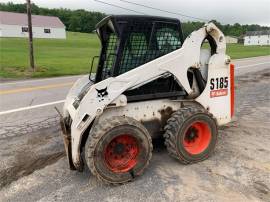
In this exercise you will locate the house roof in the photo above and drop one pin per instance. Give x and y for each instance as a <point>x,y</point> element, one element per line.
<point>256,33</point>
<point>10,18</point>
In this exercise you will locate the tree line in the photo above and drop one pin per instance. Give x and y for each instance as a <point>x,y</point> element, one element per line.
<point>85,21</point>
<point>236,29</point>
<point>74,20</point>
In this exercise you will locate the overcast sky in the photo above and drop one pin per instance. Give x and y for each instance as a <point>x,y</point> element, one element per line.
<point>225,11</point>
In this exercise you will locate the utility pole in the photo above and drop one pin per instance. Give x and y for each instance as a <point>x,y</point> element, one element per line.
<point>30,31</point>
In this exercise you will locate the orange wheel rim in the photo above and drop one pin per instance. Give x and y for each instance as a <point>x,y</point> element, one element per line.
<point>197,138</point>
<point>121,153</point>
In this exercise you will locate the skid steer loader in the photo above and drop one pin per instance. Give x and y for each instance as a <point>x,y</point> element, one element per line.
<point>148,82</point>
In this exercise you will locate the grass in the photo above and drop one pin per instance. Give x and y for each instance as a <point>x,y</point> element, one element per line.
<point>53,57</point>
<point>237,51</point>
<point>57,57</point>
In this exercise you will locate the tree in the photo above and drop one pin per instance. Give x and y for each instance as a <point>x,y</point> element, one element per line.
<point>85,21</point>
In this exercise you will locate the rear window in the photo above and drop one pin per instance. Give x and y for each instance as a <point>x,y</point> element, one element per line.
<point>148,41</point>
<point>168,40</point>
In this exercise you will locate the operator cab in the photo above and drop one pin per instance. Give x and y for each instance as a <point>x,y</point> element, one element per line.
<point>130,41</point>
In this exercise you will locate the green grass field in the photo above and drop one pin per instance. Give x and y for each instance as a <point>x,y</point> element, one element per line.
<point>53,57</point>
<point>73,55</point>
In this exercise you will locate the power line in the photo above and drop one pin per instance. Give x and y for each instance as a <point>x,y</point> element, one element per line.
<point>110,4</point>
<point>174,13</point>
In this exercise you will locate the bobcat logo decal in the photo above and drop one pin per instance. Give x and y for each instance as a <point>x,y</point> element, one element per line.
<point>101,94</point>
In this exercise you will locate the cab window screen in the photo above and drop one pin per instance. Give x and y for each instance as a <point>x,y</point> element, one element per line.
<point>110,57</point>
<point>134,52</point>
<point>168,40</point>
<point>146,41</point>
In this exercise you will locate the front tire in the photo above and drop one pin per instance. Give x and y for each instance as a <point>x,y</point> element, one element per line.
<point>191,135</point>
<point>118,149</point>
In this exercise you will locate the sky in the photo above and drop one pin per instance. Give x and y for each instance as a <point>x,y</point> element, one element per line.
<point>224,11</point>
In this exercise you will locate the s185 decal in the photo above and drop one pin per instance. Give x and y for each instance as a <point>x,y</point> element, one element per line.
<point>219,86</point>
<point>219,83</point>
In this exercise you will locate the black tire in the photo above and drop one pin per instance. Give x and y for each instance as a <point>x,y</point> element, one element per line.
<point>118,139</point>
<point>191,134</point>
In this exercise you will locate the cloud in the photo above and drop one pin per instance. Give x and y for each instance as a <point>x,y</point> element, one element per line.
<point>225,11</point>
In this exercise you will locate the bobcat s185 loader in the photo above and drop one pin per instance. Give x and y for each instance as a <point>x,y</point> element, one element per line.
<point>148,82</point>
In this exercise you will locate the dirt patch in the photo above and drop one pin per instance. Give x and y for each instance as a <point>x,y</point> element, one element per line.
<point>261,187</point>
<point>28,152</point>
<point>25,165</point>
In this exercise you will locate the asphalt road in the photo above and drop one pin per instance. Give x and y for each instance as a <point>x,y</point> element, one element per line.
<point>33,165</point>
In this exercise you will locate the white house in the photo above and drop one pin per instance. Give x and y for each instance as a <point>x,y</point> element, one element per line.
<point>257,38</point>
<point>15,25</point>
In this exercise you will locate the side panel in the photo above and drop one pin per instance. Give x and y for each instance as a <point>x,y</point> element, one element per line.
<point>216,96</point>
<point>153,114</point>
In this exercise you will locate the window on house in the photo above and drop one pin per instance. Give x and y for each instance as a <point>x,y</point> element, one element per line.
<point>24,29</point>
<point>267,41</point>
<point>47,31</point>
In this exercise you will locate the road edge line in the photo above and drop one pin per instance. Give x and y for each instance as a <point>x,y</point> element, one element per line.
<point>31,107</point>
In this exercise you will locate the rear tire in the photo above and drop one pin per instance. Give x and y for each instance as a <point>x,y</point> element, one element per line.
<point>118,149</point>
<point>191,135</point>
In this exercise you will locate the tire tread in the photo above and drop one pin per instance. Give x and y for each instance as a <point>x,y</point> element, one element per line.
<point>96,134</point>
<point>174,124</point>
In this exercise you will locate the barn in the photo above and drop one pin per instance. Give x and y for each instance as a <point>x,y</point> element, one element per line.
<point>16,25</point>
<point>258,38</point>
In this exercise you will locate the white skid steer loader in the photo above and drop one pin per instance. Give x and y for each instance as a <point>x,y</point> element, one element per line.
<point>148,82</point>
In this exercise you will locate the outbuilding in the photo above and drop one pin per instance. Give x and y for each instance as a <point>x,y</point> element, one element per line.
<point>231,39</point>
<point>16,25</point>
<point>258,38</point>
